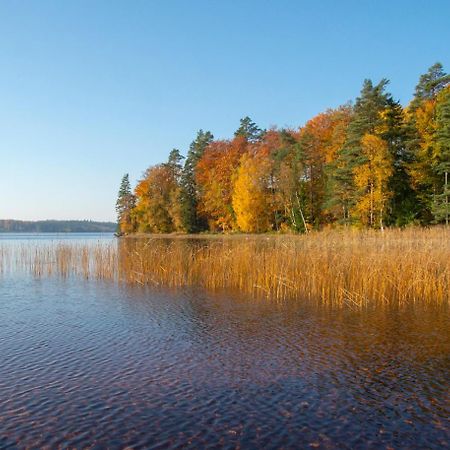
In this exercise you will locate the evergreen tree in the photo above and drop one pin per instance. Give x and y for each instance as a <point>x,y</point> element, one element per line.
<point>125,204</point>
<point>422,144</point>
<point>189,190</point>
<point>249,130</point>
<point>370,164</point>
<point>403,204</point>
<point>366,119</point>
<point>174,163</point>
<point>289,187</point>
<point>430,84</point>
<point>441,206</point>
<point>174,205</point>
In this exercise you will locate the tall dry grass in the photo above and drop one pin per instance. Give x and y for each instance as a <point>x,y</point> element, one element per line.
<point>354,268</point>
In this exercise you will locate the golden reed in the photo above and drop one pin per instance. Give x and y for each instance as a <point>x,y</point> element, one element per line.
<point>346,267</point>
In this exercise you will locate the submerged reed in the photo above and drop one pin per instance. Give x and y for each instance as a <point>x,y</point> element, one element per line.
<point>354,268</point>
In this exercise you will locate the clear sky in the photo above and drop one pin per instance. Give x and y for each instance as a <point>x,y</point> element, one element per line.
<point>90,89</point>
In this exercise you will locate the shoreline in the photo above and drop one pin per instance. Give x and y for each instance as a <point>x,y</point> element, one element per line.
<point>342,231</point>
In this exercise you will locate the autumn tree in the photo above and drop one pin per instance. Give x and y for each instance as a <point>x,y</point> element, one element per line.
<point>251,196</point>
<point>153,201</point>
<point>125,204</point>
<point>158,207</point>
<point>214,177</point>
<point>320,140</point>
<point>370,164</point>
<point>371,180</point>
<point>423,142</point>
<point>424,157</point>
<point>254,185</point>
<point>287,181</point>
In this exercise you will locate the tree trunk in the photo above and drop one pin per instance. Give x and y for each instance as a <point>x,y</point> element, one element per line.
<point>301,213</point>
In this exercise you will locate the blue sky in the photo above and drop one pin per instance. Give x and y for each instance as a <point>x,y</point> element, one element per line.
<point>92,89</point>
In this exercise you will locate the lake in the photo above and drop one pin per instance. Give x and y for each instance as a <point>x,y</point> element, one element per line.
<point>89,363</point>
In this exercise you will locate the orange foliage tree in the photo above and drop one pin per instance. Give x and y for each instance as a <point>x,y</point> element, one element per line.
<point>320,139</point>
<point>156,194</point>
<point>368,164</point>
<point>214,174</point>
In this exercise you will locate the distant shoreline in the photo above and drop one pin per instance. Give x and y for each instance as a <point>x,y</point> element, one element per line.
<point>56,226</point>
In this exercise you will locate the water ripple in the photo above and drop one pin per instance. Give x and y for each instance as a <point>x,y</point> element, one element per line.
<point>92,365</point>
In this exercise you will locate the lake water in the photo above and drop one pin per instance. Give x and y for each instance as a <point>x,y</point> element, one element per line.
<point>95,364</point>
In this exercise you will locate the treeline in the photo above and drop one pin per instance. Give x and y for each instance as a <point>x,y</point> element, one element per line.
<point>372,164</point>
<point>56,226</point>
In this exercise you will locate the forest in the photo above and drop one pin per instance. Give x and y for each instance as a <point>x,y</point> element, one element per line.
<point>56,226</point>
<point>371,163</point>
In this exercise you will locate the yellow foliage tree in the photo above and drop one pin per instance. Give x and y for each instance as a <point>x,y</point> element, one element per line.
<point>371,179</point>
<point>426,156</point>
<point>251,196</point>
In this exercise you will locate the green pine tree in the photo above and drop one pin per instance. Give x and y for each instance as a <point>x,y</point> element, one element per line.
<point>174,163</point>
<point>441,205</point>
<point>249,130</point>
<point>367,118</point>
<point>125,204</point>
<point>430,84</point>
<point>192,222</point>
<point>403,205</point>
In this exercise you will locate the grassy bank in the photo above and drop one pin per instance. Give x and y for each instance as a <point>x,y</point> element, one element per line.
<point>354,268</point>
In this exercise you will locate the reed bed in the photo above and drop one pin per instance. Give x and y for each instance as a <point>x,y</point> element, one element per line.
<point>347,267</point>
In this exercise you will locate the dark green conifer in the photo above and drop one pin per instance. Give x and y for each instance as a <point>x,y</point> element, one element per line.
<point>430,84</point>
<point>192,222</point>
<point>126,201</point>
<point>441,210</point>
<point>249,130</point>
<point>366,119</point>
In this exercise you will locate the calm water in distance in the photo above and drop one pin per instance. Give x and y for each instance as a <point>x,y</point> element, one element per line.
<point>88,364</point>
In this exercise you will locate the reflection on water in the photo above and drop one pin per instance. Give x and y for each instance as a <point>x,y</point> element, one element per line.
<point>89,364</point>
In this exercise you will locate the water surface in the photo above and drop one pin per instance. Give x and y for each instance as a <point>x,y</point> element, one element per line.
<point>91,364</point>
